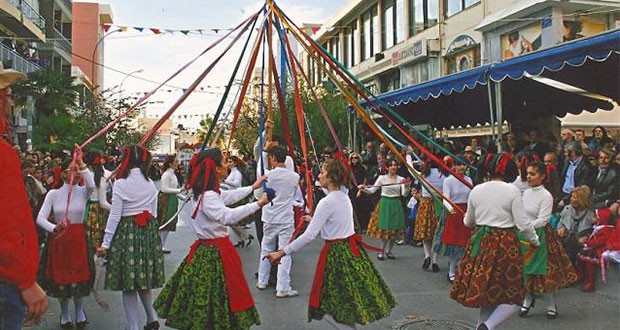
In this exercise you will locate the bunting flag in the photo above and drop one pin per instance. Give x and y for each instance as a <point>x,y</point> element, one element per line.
<point>124,28</point>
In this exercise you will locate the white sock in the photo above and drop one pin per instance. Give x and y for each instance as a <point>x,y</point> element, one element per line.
<point>427,248</point>
<point>340,326</point>
<point>550,301</point>
<point>501,314</point>
<point>130,302</point>
<point>452,266</point>
<point>80,316</point>
<point>527,302</point>
<point>390,246</point>
<point>146,296</point>
<point>163,235</point>
<point>384,245</point>
<point>484,314</point>
<point>65,316</point>
<point>434,257</point>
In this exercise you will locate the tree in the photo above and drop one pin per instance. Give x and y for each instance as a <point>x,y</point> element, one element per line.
<point>53,91</point>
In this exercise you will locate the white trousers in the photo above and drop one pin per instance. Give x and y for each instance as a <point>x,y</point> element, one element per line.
<point>273,234</point>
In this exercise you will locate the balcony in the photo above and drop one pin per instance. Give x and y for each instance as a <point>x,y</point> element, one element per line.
<point>19,63</point>
<point>61,41</point>
<point>29,12</point>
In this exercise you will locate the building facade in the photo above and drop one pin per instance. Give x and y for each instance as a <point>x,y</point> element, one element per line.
<point>392,44</point>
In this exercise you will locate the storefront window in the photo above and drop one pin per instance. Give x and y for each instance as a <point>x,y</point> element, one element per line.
<point>422,15</point>
<point>419,72</point>
<point>390,81</point>
<point>464,60</point>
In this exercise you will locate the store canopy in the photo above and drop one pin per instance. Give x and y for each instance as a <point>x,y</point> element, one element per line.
<point>463,98</point>
<point>591,64</point>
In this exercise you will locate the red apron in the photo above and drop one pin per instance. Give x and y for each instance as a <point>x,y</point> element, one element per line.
<point>67,257</point>
<point>238,291</point>
<point>455,232</point>
<point>317,284</point>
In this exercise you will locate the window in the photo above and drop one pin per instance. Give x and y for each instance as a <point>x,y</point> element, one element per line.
<point>393,22</point>
<point>422,15</point>
<point>455,6</point>
<point>369,33</point>
<point>419,72</point>
<point>350,44</point>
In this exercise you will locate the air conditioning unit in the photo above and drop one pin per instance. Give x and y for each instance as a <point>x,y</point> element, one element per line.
<point>379,57</point>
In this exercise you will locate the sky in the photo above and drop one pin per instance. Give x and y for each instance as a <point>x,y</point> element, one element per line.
<point>153,57</point>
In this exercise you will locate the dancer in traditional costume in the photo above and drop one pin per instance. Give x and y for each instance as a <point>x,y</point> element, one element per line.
<point>347,288</point>
<point>66,266</point>
<point>131,242</point>
<point>548,268</point>
<point>98,207</point>
<point>209,290</point>
<point>490,274</point>
<point>455,235</point>
<point>234,180</point>
<point>427,218</point>
<point>168,202</point>
<point>388,221</point>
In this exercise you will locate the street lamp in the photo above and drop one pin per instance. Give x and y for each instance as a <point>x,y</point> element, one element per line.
<point>120,86</point>
<point>94,77</point>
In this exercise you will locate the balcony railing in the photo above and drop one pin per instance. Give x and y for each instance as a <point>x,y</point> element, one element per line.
<point>29,12</point>
<point>19,63</point>
<point>61,41</point>
<point>68,3</point>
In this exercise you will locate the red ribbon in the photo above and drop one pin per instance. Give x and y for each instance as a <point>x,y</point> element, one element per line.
<point>143,218</point>
<point>317,284</point>
<point>239,295</point>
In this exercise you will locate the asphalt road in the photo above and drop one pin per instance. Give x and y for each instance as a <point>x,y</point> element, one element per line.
<point>423,297</point>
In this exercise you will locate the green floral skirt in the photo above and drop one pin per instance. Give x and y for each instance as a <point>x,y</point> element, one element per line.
<point>135,260</point>
<point>95,221</point>
<point>195,297</point>
<point>353,290</point>
<point>167,206</point>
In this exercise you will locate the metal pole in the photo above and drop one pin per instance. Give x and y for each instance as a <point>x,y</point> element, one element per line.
<point>94,77</point>
<point>491,109</point>
<point>500,118</point>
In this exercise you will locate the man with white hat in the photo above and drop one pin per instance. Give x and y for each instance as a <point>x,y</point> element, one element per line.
<point>19,292</point>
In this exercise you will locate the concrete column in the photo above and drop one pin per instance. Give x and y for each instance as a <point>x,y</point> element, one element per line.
<point>380,25</point>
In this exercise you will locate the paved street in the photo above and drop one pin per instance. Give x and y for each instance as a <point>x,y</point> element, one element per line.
<point>421,295</point>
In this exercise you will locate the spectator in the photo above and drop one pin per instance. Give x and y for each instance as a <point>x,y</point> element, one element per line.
<point>567,136</point>
<point>475,146</point>
<point>600,139</point>
<point>369,159</point>
<point>19,292</point>
<point>536,146</point>
<point>512,144</point>
<point>576,221</point>
<point>593,158</point>
<point>606,186</point>
<point>552,183</point>
<point>577,171</point>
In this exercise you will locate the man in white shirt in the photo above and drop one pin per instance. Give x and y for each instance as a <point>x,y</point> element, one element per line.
<point>278,221</point>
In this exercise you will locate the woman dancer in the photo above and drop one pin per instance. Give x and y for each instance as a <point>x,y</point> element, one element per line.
<point>388,221</point>
<point>427,220</point>
<point>208,290</point>
<point>347,288</point>
<point>167,202</point>
<point>455,235</point>
<point>131,241</point>
<point>66,264</point>
<point>490,274</point>
<point>234,180</point>
<point>549,268</point>
<point>98,206</point>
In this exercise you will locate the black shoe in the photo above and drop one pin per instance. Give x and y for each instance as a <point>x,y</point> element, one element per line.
<point>435,268</point>
<point>152,325</point>
<point>526,309</point>
<point>239,244</point>
<point>81,324</point>
<point>451,278</point>
<point>68,325</point>
<point>427,263</point>
<point>165,251</point>
<point>483,327</point>
<point>552,314</point>
<point>389,255</point>
<point>250,238</point>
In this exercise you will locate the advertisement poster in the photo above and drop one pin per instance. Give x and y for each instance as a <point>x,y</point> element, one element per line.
<point>583,26</point>
<point>521,41</point>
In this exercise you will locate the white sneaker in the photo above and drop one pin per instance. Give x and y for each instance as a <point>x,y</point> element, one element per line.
<point>287,294</point>
<point>261,286</point>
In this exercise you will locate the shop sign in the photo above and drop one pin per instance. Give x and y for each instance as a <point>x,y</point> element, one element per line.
<point>408,54</point>
<point>461,42</point>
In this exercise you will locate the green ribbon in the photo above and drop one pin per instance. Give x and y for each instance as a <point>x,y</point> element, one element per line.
<point>477,237</point>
